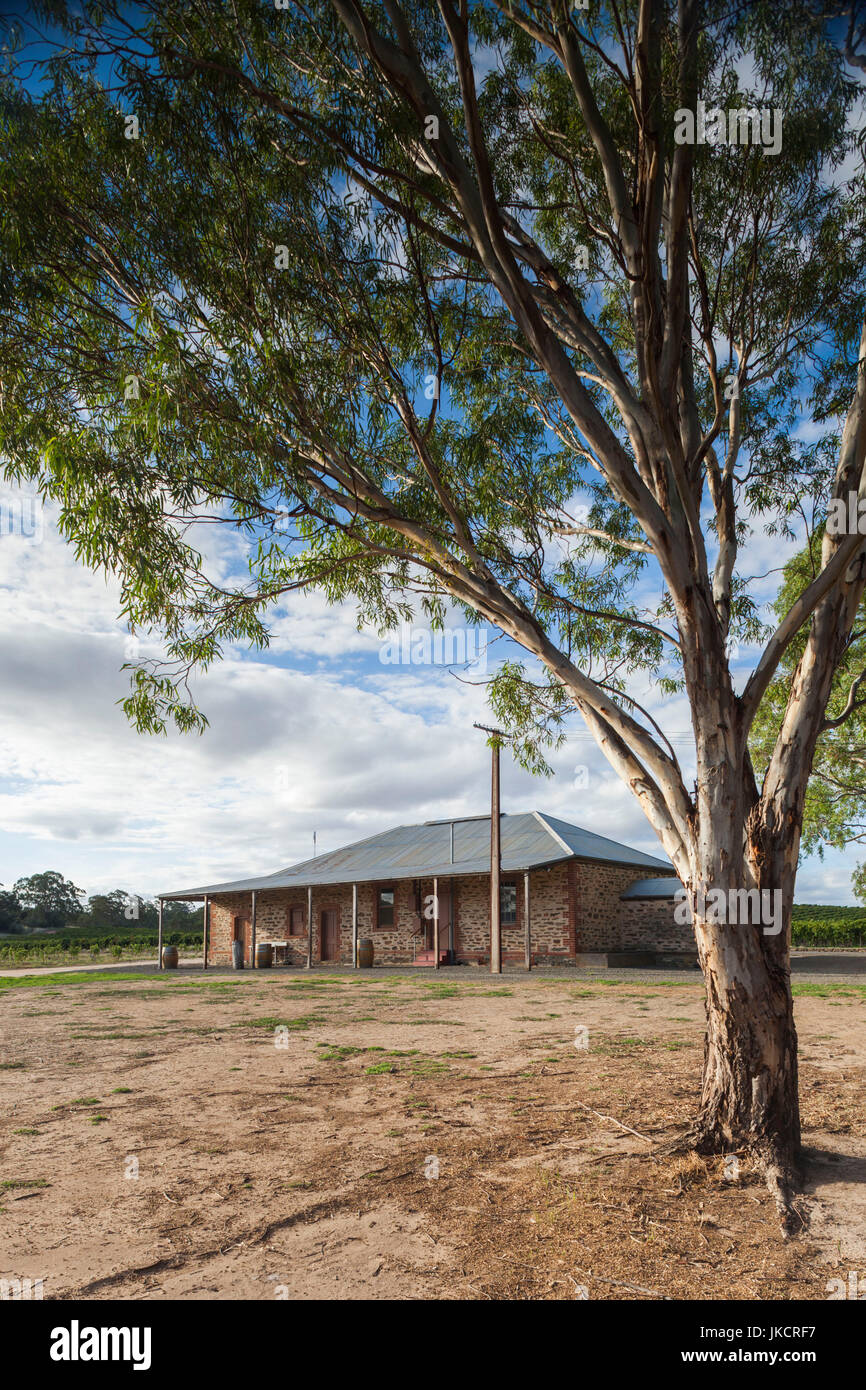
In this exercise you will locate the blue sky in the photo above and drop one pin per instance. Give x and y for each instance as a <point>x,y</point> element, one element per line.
<point>316,733</point>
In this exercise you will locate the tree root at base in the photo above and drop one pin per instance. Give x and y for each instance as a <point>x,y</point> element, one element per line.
<point>779,1168</point>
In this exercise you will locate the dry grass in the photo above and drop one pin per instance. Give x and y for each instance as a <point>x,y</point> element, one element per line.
<point>313,1166</point>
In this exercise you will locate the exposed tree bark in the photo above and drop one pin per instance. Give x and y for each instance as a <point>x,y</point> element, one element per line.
<point>749,1092</point>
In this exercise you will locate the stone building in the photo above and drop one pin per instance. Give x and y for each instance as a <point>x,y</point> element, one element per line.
<point>566,894</point>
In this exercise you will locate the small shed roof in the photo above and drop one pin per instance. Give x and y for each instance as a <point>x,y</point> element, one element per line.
<point>529,840</point>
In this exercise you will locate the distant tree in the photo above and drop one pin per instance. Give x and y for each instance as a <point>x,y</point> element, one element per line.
<point>109,910</point>
<point>121,909</point>
<point>181,917</point>
<point>147,914</point>
<point>49,899</point>
<point>11,912</point>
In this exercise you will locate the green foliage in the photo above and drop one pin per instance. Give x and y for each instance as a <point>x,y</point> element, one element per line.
<point>70,944</point>
<point>11,912</point>
<point>823,925</point>
<point>835,807</point>
<point>107,909</point>
<point>234,315</point>
<point>48,899</point>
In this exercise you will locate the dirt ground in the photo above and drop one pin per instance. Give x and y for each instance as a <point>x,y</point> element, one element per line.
<point>387,1135</point>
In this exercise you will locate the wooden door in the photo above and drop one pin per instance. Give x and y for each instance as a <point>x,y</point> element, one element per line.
<point>330,935</point>
<point>446,910</point>
<point>243,931</point>
<point>444,917</point>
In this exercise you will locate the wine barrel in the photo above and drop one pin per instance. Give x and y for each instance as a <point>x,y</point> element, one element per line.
<point>264,955</point>
<point>169,958</point>
<point>365,953</point>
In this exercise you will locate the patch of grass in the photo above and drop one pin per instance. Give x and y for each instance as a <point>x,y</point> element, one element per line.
<point>824,990</point>
<point>337,1052</point>
<point>12,1066</point>
<point>11,1184</point>
<point>619,1047</point>
<point>425,1022</point>
<point>122,1091</point>
<point>294,1025</point>
<point>307,982</point>
<point>75,977</point>
<point>98,1119</point>
<point>25,1131</point>
<point>86,1100</point>
<point>114,1037</point>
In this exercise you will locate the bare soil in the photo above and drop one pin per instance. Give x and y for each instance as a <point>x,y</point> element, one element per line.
<point>381,1135</point>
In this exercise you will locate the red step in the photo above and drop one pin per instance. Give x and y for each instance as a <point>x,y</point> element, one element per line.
<point>427,958</point>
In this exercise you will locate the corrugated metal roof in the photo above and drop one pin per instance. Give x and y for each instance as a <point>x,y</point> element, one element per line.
<point>652,888</point>
<point>529,841</point>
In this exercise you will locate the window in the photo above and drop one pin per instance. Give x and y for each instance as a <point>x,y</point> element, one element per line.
<point>297,926</point>
<point>385,907</point>
<point>508,905</point>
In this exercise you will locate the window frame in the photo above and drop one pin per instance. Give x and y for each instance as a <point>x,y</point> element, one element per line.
<point>503,922</point>
<point>379,889</point>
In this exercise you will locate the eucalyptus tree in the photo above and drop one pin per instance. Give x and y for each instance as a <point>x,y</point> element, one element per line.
<point>48,899</point>
<point>510,305</point>
<point>834,810</point>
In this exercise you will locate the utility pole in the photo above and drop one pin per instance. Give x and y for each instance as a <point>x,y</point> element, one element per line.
<point>496,737</point>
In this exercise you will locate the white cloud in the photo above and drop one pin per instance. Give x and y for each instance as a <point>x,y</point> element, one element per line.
<point>314,734</point>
